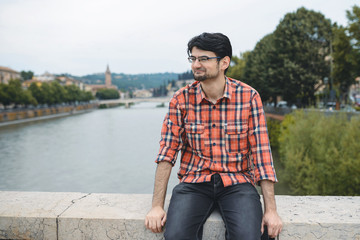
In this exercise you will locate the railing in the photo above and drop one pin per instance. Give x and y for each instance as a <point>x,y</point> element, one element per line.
<point>26,115</point>
<point>42,215</point>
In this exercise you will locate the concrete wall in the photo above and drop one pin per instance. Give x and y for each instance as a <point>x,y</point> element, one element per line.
<point>42,215</point>
<point>11,117</point>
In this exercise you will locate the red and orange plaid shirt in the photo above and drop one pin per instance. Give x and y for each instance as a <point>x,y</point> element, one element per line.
<point>229,137</point>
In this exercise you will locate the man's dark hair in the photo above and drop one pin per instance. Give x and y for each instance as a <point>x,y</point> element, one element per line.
<point>214,42</point>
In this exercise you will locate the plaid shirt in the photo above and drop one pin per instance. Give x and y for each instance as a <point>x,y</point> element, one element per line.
<point>229,137</point>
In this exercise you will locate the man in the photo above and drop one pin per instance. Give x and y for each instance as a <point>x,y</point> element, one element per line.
<point>219,125</point>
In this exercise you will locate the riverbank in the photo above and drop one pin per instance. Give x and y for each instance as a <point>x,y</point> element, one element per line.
<point>19,116</point>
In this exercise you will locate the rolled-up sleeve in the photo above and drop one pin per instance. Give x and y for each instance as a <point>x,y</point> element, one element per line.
<point>259,141</point>
<point>171,134</point>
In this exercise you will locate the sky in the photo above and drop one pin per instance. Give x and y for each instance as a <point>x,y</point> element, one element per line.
<point>135,36</point>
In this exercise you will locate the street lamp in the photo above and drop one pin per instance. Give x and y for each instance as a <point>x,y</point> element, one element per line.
<point>326,80</point>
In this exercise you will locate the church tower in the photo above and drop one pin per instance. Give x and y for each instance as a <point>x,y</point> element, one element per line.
<point>107,77</point>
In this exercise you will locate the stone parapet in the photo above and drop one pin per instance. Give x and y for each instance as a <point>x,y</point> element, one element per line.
<point>43,215</point>
<point>22,116</point>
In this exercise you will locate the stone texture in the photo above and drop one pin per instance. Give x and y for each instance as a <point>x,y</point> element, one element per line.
<point>32,215</point>
<point>27,215</point>
<point>119,216</point>
<point>319,217</point>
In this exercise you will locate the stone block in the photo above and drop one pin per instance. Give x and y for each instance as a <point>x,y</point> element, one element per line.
<point>32,215</point>
<point>66,216</point>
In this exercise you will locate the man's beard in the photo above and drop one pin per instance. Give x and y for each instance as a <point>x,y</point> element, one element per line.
<point>205,76</point>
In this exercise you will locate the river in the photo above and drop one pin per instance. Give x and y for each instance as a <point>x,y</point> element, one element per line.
<point>104,151</point>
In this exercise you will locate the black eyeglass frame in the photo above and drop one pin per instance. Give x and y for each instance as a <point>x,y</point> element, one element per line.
<point>192,59</point>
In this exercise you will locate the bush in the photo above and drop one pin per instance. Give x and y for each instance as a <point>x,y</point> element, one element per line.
<point>273,127</point>
<point>320,154</point>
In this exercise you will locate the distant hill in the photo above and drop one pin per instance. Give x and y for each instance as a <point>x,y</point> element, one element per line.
<point>131,81</point>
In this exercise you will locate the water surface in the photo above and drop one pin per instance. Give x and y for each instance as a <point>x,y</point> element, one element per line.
<point>107,151</point>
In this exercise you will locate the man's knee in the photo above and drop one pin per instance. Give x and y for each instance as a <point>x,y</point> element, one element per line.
<point>243,234</point>
<point>177,233</point>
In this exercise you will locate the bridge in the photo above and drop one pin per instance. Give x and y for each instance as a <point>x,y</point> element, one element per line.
<point>278,115</point>
<point>128,101</point>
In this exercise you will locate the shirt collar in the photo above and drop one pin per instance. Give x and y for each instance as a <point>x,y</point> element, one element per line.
<point>200,95</point>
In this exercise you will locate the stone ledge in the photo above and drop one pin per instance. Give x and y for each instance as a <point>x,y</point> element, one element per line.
<point>42,215</point>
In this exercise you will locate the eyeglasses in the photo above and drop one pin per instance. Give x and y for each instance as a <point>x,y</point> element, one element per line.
<point>202,59</point>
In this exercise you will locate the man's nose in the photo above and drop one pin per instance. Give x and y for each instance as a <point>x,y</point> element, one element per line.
<point>196,63</point>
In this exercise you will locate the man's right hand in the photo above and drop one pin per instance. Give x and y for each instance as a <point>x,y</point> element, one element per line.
<point>155,219</point>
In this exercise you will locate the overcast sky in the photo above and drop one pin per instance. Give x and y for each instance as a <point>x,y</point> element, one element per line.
<point>135,36</point>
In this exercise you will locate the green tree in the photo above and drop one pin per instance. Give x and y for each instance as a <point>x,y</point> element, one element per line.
<point>15,92</point>
<point>343,73</point>
<point>4,96</point>
<point>58,91</point>
<point>37,93</point>
<point>354,30</point>
<point>107,94</point>
<point>73,93</point>
<point>26,75</point>
<point>260,67</point>
<point>48,94</point>
<point>28,99</point>
<point>302,40</point>
<point>237,66</point>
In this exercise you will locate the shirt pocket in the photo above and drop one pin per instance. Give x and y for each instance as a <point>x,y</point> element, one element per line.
<point>195,136</point>
<point>236,141</point>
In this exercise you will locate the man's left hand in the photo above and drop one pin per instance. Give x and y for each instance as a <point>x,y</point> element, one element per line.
<point>273,222</point>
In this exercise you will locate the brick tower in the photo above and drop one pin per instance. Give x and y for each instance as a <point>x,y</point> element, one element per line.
<point>108,77</point>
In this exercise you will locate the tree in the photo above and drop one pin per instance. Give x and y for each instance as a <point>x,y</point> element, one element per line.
<point>343,55</point>
<point>107,94</point>
<point>73,93</point>
<point>47,94</point>
<point>4,96</point>
<point>37,93</point>
<point>28,99</point>
<point>26,75</point>
<point>259,69</point>
<point>237,66</point>
<point>86,96</point>
<point>59,92</point>
<point>186,75</point>
<point>301,40</point>
<point>15,92</point>
<point>354,31</point>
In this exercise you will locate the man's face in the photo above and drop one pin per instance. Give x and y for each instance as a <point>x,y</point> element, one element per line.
<point>204,70</point>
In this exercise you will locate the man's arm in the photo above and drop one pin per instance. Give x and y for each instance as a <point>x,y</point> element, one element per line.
<point>156,218</point>
<point>271,218</point>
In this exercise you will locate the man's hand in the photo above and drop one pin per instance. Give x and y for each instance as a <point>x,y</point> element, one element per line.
<point>273,222</point>
<point>271,218</point>
<point>155,219</point>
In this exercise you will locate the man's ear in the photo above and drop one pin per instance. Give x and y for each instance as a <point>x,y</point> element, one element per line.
<point>224,63</point>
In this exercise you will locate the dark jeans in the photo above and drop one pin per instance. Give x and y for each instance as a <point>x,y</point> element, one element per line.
<point>192,203</point>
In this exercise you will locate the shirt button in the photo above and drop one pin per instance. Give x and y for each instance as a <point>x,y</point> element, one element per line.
<point>214,107</point>
<point>214,144</point>
<point>213,125</point>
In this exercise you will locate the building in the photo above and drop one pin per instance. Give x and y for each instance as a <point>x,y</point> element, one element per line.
<point>27,83</point>
<point>142,93</point>
<point>46,77</point>
<point>107,77</point>
<point>66,81</point>
<point>7,73</point>
<point>107,85</point>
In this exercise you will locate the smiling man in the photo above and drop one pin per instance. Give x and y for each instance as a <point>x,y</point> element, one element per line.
<point>219,125</point>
